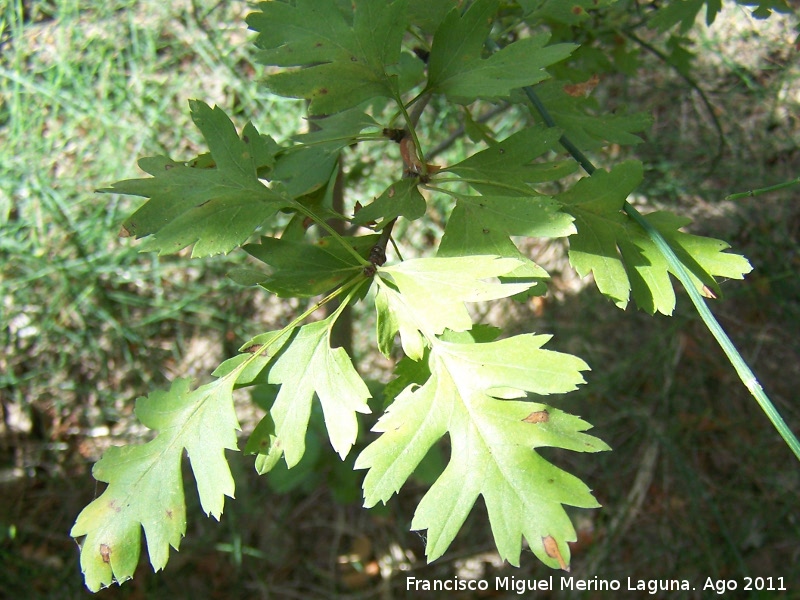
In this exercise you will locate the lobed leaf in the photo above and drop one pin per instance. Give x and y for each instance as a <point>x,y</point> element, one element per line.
<point>308,366</point>
<point>507,168</point>
<point>302,269</point>
<point>344,55</point>
<point>623,258</point>
<point>420,298</point>
<point>456,68</point>
<point>145,484</point>
<point>492,439</point>
<point>578,119</point>
<point>401,199</point>
<point>215,203</point>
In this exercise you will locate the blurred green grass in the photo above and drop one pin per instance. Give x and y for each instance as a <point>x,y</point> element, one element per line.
<point>85,90</point>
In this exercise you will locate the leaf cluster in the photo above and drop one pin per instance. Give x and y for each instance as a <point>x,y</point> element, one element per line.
<point>368,69</point>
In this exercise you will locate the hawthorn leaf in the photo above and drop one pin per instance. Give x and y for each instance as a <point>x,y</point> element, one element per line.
<point>307,366</point>
<point>483,224</point>
<point>623,258</point>
<point>455,66</point>
<point>145,483</point>
<point>581,120</point>
<point>507,168</point>
<point>215,202</point>
<point>344,55</point>
<point>569,12</point>
<point>303,269</point>
<point>420,298</point>
<point>468,396</point>
<point>401,199</point>
<point>685,13</point>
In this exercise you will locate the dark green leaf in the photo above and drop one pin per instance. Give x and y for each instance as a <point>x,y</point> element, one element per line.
<point>401,199</point>
<point>344,58</point>
<point>456,68</point>
<point>506,168</point>
<point>215,202</point>
<point>581,122</point>
<point>301,269</point>
<point>484,224</point>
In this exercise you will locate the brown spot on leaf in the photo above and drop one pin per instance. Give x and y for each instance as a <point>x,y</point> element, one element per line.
<point>169,513</point>
<point>245,139</point>
<point>168,166</point>
<point>552,550</point>
<point>576,90</point>
<point>485,230</point>
<point>577,10</point>
<point>322,91</point>
<point>253,349</point>
<point>392,192</point>
<point>540,416</point>
<point>105,553</point>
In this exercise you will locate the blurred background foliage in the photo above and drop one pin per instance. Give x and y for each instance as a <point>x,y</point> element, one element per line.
<point>698,485</point>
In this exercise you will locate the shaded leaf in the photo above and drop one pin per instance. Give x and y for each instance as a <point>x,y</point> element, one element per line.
<point>582,121</point>
<point>401,199</point>
<point>455,66</point>
<point>302,269</point>
<point>344,55</point>
<point>506,168</point>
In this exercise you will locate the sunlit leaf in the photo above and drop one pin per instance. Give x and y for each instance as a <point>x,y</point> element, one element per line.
<point>145,482</point>
<point>468,396</point>
<point>620,254</point>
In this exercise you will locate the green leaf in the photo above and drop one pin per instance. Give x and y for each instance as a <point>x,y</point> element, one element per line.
<point>344,57</point>
<point>215,208</point>
<point>622,257</point>
<point>483,225</point>
<point>569,12</point>
<point>145,484</point>
<point>455,66</point>
<point>401,199</point>
<point>683,12</point>
<point>311,164</point>
<point>422,297</point>
<point>506,168</point>
<point>493,440</point>
<point>308,366</point>
<point>302,269</point>
<point>581,121</point>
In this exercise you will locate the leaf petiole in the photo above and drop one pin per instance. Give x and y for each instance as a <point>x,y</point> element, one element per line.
<point>333,233</point>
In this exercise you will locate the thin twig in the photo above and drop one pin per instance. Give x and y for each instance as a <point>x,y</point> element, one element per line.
<point>694,85</point>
